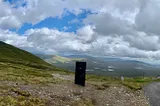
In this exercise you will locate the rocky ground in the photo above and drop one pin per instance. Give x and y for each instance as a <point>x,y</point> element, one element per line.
<point>68,94</point>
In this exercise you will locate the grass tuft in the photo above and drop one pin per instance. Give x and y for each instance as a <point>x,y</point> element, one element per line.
<point>21,101</point>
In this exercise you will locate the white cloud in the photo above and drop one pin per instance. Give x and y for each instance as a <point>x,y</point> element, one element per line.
<point>143,41</point>
<point>9,22</point>
<point>56,40</point>
<point>74,21</point>
<point>125,28</point>
<point>86,34</point>
<point>5,9</point>
<point>53,41</point>
<point>106,24</point>
<point>147,19</point>
<point>38,10</point>
<point>14,39</point>
<point>61,42</point>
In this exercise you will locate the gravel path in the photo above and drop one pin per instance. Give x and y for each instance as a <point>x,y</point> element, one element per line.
<point>115,95</point>
<point>152,91</point>
<point>69,94</point>
<point>63,77</point>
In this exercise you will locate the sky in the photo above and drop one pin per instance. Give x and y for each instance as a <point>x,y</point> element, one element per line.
<point>117,28</point>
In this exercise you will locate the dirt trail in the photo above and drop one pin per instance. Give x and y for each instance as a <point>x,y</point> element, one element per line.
<point>152,91</point>
<point>63,77</point>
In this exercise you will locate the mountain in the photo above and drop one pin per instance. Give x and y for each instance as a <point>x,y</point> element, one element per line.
<point>59,59</point>
<point>11,54</point>
<point>107,66</point>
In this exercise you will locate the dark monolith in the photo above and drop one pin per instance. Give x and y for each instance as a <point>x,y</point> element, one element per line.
<point>80,73</point>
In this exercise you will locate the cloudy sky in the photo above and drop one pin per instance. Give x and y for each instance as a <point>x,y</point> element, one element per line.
<point>120,28</point>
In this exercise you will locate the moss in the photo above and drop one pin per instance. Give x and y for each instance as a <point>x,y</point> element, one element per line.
<point>105,79</point>
<point>21,101</point>
<point>20,92</point>
<point>137,83</point>
<point>101,86</point>
<point>133,85</point>
<point>83,102</point>
<point>4,88</point>
<point>26,74</point>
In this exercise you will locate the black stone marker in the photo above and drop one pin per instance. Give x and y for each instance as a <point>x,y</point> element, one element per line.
<point>80,73</point>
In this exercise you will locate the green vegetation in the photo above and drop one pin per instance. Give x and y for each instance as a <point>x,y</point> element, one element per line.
<point>20,101</point>
<point>96,78</point>
<point>11,54</point>
<point>21,97</point>
<point>19,74</point>
<point>136,83</point>
<point>84,102</point>
<point>25,74</point>
<point>60,59</point>
<point>101,86</point>
<point>20,67</point>
<point>20,92</point>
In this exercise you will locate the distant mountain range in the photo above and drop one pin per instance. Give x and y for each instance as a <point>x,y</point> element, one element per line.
<point>55,59</point>
<point>108,66</point>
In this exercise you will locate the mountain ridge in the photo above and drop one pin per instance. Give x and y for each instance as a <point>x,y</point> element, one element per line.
<point>12,54</point>
<point>100,66</point>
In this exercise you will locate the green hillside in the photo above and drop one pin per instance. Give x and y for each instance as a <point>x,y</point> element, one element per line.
<point>60,59</point>
<point>19,65</point>
<point>19,69</point>
<point>11,54</point>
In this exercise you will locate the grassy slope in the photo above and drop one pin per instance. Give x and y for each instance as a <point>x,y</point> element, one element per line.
<point>23,75</point>
<point>21,67</point>
<point>11,54</point>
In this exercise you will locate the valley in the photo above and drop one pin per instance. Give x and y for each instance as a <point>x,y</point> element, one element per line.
<point>26,80</point>
<point>104,66</point>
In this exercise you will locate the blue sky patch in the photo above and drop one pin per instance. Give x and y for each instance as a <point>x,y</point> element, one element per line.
<point>16,3</point>
<point>67,23</point>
